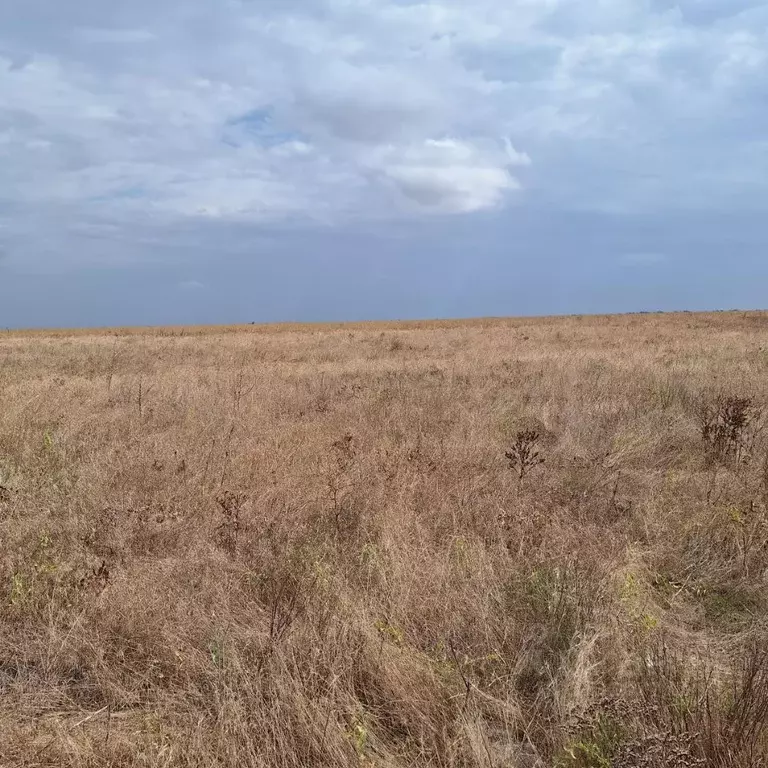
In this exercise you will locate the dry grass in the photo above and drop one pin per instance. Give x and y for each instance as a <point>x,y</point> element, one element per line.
<point>315,546</point>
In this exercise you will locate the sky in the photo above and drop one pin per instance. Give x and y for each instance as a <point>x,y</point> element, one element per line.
<point>223,161</point>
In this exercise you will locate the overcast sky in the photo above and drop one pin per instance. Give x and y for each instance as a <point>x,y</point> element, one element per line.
<point>254,160</point>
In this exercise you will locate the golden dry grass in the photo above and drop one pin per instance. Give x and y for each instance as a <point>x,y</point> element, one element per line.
<point>305,546</point>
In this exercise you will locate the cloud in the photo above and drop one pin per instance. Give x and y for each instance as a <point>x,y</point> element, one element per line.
<point>127,118</point>
<point>450,176</point>
<point>113,36</point>
<point>191,286</point>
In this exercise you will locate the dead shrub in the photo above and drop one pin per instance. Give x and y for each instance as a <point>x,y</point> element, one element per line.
<point>729,426</point>
<point>724,720</point>
<point>525,452</point>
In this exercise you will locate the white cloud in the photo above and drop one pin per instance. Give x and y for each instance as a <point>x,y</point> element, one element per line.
<point>449,176</point>
<point>163,110</point>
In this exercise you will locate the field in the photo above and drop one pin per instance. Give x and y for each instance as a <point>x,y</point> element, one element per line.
<point>514,543</point>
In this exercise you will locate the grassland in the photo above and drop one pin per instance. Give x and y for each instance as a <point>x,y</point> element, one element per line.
<point>493,543</point>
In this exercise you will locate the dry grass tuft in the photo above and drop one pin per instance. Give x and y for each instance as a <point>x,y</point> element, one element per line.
<point>493,543</point>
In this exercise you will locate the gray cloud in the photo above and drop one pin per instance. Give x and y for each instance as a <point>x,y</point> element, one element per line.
<point>119,122</point>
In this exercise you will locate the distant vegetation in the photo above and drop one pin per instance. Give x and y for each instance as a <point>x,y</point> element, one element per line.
<point>493,543</point>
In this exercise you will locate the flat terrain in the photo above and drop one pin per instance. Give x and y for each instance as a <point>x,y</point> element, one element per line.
<point>492,543</point>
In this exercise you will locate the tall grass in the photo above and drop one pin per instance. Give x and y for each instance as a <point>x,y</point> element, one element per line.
<point>494,543</point>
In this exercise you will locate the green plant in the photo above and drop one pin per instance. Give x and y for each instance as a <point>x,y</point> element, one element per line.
<point>391,632</point>
<point>19,589</point>
<point>216,651</point>
<point>583,754</point>
<point>734,604</point>
<point>358,736</point>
